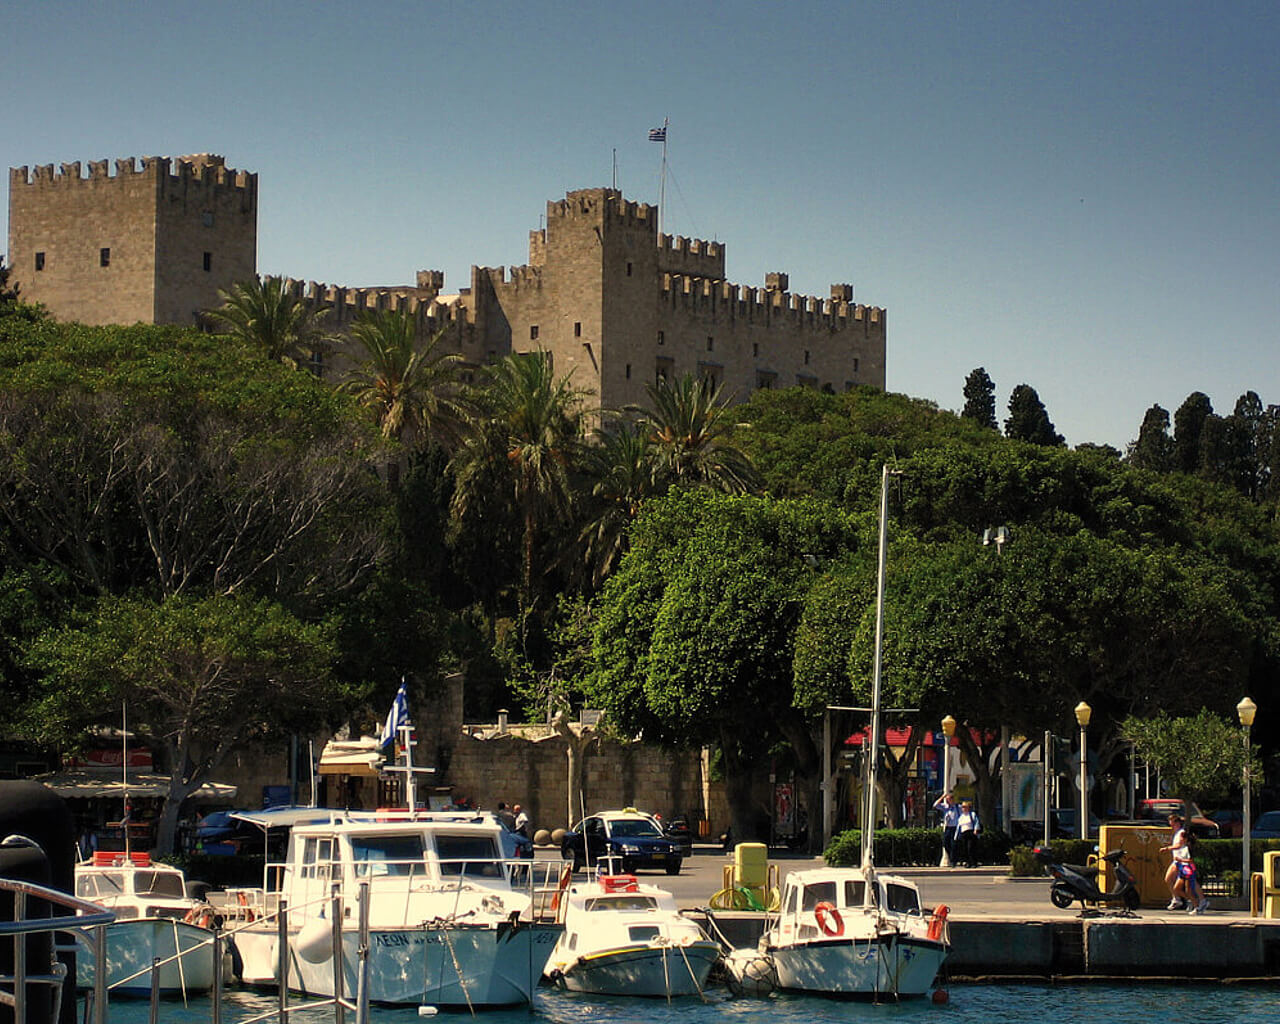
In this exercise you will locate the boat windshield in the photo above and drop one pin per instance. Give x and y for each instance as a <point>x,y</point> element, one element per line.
<point>158,883</point>
<point>902,899</point>
<point>631,902</point>
<point>818,892</point>
<point>629,827</point>
<point>468,855</point>
<point>855,893</point>
<point>387,855</point>
<point>100,883</point>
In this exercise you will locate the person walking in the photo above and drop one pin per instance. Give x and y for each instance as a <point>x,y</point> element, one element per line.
<point>522,821</point>
<point>505,816</point>
<point>967,829</point>
<point>1184,886</point>
<point>950,815</point>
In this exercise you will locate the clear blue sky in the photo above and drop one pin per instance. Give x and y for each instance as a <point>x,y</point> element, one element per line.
<point>1084,197</point>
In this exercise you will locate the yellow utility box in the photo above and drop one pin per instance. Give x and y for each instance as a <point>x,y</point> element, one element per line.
<point>750,865</point>
<point>1271,884</point>
<point>1141,844</point>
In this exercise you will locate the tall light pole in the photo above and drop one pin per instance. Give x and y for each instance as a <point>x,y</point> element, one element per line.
<point>1083,714</point>
<point>1246,709</point>
<point>948,730</point>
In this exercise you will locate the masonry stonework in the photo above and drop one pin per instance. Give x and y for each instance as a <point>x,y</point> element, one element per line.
<point>151,243</point>
<point>614,303</point>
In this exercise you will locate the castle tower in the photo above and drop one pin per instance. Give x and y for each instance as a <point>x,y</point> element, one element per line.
<point>151,244</point>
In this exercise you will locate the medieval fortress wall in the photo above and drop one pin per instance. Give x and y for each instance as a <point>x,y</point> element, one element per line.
<point>153,242</point>
<point>615,303</point>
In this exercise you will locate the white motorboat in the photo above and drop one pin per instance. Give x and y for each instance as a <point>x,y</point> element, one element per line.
<point>855,932</point>
<point>155,920</point>
<point>626,938</point>
<point>851,931</point>
<point>450,922</point>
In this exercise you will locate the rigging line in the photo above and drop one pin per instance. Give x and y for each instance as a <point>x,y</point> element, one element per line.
<point>696,231</point>
<point>692,976</point>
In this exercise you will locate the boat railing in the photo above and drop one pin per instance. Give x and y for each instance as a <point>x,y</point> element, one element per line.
<point>15,988</point>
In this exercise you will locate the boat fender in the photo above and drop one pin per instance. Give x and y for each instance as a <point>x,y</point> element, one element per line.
<point>937,921</point>
<point>315,941</point>
<point>200,916</point>
<point>829,919</point>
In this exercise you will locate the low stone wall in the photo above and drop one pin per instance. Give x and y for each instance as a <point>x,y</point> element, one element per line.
<point>533,771</point>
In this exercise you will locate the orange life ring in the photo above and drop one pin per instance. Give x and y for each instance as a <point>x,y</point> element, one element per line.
<point>565,875</point>
<point>243,900</point>
<point>829,919</point>
<point>201,917</point>
<point>937,921</point>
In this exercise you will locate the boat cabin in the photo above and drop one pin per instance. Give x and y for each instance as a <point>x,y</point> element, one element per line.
<point>133,886</point>
<point>815,904</point>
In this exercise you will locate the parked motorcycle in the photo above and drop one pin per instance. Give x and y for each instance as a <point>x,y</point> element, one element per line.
<point>1072,882</point>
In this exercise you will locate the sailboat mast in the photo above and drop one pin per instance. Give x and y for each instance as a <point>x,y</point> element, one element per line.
<point>124,772</point>
<point>869,824</point>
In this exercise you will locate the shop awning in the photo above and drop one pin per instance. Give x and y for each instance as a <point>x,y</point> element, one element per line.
<point>362,757</point>
<point>80,783</point>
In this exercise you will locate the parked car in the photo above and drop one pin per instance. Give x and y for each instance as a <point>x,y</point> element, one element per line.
<point>1267,826</point>
<point>1160,809</point>
<point>677,830</point>
<point>1063,823</point>
<point>634,839</point>
<point>1230,823</point>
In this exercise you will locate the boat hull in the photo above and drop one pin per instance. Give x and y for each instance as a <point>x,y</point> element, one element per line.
<point>133,945</point>
<point>456,966</point>
<point>891,964</point>
<point>667,970</point>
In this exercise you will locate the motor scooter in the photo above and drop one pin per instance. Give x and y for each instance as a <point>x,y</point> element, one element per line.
<point>1072,882</point>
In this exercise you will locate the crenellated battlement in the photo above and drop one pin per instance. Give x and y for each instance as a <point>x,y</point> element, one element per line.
<point>699,295</point>
<point>346,304</point>
<point>518,278</point>
<point>206,169</point>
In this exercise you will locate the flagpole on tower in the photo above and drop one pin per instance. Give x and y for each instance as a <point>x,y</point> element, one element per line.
<point>660,135</point>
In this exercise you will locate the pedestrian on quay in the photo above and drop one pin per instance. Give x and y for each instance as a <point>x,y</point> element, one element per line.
<point>505,816</point>
<point>522,821</point>
<point>967,829</point>
<point>1184,886</point>
<point>950,815</point>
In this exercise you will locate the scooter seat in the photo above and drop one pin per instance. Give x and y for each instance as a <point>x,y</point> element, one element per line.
<point>1083,871</point>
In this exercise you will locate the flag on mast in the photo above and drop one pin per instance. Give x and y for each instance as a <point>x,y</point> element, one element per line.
<point>658,134</point>
<point>396,717</point>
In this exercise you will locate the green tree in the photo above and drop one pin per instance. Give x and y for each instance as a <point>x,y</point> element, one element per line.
<point>623,472</point>
<point>526,431</point>
<point>693,640</point>
<point>264,313</point>
<point>202,678</point>
<point>1188,426</point>
<point>1201,757</point>
<point>411,391</point>
<point>8,295</point>
<point>690,422</point>
<point>1028,420</point>
<point>1153,449</point>
<point>980,399</point>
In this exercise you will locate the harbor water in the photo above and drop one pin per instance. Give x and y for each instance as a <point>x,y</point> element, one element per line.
<point>968,1004</point>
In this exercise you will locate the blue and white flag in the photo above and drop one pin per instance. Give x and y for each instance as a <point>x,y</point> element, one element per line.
<point>658,134</point>
<point>396,717</point>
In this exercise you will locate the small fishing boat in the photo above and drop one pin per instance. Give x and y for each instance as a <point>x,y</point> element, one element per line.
<point>625,938</point>
<point>855,932</point>
<point>851,931</point>
<point>155,920</point>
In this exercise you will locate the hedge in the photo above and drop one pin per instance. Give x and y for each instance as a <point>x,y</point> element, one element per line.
<point>910,847</point>
<point>239,871</point>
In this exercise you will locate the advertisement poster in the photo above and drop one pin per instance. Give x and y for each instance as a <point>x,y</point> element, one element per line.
<point>783,806</point>
<point>1026,792</point>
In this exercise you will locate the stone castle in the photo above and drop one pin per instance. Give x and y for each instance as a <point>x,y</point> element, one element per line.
<point>613,302</point>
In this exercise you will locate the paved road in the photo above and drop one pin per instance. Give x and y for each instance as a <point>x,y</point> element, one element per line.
<point>980,892</point>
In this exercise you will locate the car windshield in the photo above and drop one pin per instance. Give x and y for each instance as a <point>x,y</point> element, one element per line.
<point>1270,820</point>
<point>631,827</point>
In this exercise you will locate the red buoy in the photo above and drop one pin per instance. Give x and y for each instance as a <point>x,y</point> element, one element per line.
<point>941,997</point>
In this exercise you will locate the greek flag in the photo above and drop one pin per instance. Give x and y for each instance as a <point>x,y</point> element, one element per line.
<point>396,717</point>
<point>658,134</point>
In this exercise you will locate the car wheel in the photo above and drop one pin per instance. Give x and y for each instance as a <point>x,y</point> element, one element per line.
<point>673,866</point>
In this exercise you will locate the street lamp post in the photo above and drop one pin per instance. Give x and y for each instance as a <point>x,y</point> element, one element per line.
<point>948,730</point>
<point>1083,713</point>
<point>1246,709</point>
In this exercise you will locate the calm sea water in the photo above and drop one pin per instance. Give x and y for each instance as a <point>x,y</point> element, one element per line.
<point>969,1004</point>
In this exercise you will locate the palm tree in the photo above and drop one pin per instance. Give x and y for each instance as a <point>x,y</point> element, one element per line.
<point>411,392</point>
<point>265,314</point>
<point>529,424</point>
<point>689,421</point>
<point>625,471</point>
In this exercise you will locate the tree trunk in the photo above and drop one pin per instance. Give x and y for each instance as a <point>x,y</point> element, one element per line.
<point>808,756</point>
<point>737,790</point>
<point>985,781</point>
<point>893,776</point>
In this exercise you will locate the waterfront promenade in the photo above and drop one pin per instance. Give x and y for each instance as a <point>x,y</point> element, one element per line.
<point>1007,928</point>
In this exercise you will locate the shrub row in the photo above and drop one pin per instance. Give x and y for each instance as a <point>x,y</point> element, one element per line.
<point>910,847</point>
<point>240,871</point>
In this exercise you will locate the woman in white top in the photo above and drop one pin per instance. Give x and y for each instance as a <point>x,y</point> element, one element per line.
<point>967,829</point>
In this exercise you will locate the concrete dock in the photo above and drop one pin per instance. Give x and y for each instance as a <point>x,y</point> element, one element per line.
<point>1004,928</point>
